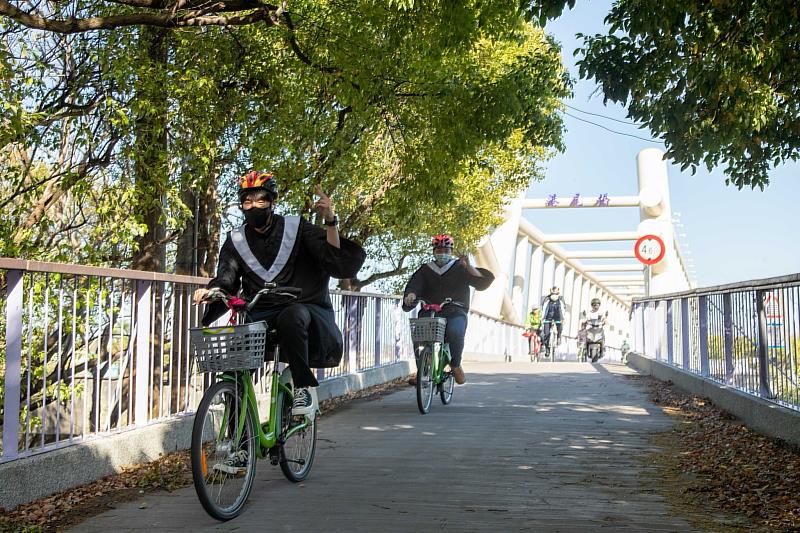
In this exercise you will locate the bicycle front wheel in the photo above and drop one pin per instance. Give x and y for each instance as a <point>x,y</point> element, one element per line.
<point>223,451</point>
<point>299,445</point>
<point>425,381</point>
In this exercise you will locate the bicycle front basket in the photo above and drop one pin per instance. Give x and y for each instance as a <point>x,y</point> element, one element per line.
<point>428,329</point>
<point>225,348</point>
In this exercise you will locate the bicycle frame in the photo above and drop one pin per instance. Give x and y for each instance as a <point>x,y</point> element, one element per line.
<point>438,351</point>
<point>269,437</point>
<point>552,337</point>
<point>438,361</point>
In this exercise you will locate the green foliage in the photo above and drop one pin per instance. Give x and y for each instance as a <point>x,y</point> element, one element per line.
<point>411,134</point>
<point>417,119</point>
<point>717,81</point>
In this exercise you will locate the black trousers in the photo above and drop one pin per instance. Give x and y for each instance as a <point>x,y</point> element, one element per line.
<point>292,323</point>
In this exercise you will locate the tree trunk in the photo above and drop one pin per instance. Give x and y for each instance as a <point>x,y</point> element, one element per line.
<point>185,264</point>
<point>150,154</point>
<point>209,239</point>
<point>194,257</point>
<point>151,171</point>
<point>185,259</point>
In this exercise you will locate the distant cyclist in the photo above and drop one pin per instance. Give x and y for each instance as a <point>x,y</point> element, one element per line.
<point>534,325</point>
<point>448,276</point>
<point>554,308</point>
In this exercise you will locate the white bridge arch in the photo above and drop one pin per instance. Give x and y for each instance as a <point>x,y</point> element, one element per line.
<point>527,261</point>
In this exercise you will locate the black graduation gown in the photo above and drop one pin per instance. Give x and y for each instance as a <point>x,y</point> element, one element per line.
<point>310,266</point>
<point>435,284</point>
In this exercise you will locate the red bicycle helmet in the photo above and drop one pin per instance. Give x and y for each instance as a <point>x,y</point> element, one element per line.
<point>258,180</point>
<point>442,240</point>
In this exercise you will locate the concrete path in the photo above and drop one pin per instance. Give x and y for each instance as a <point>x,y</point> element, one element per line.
<point>523,447</point>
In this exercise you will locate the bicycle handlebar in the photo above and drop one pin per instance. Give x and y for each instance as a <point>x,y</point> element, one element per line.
<point>270,289</point>
<point>447,301</point>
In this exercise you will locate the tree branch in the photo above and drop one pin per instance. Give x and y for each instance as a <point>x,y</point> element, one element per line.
<point>372,278</point>
<point>299,52</point>
<point>197,17</point>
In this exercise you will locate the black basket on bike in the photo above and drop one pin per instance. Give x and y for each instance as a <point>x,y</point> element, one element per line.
<point>227,348</point>
<point>428,329</point>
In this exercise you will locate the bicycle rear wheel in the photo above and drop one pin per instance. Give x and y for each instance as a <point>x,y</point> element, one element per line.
<point>299,446</point>
<point>425,380</point>
<point>447,387</point>
<point>223,464</point>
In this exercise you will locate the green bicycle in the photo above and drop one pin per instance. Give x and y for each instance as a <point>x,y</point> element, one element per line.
<point>228,435</point>
<point>434,355</point>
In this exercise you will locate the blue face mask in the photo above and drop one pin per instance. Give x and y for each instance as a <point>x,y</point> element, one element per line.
<point>442,259</point>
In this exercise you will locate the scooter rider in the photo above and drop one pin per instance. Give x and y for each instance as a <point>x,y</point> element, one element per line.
<point>554,309</point>
<point>595,314</point>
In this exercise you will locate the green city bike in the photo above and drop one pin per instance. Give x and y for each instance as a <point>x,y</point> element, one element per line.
<point>433,355</point>
<point>228,434</point>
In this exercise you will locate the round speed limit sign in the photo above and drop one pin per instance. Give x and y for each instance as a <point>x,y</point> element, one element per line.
<point>649,249</point>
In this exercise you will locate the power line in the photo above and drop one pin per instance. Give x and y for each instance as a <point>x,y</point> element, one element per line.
<point>609,129</point>
<point>627,122</point>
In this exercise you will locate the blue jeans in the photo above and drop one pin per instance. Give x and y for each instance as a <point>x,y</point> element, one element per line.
<point>454,335</point>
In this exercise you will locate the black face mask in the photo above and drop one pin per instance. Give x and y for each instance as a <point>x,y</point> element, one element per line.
<point>258,217</point>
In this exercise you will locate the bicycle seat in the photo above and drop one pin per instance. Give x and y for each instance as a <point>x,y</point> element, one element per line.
<point>273,342</point>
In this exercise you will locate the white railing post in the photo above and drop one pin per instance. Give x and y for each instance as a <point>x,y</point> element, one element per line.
<point>702,310</point>
<point>685,333</point>
<point>727,326</point>
<point>143,342</point>
<point>657,328</point>
<point>638,328</point>
<point>648,330</point>
<point>13,364</point>
<point>670,332</point>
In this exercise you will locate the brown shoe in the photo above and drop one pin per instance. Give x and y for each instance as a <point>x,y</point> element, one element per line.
<point>458,373</point>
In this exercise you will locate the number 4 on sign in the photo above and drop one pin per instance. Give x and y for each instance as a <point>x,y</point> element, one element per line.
<point>649,249</point>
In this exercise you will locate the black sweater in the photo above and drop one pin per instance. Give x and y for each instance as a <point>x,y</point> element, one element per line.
<point>313,261</point>
<point>454,283</point>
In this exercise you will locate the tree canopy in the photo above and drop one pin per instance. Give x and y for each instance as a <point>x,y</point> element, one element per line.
<point>718,81</point>
<point>416,119</point>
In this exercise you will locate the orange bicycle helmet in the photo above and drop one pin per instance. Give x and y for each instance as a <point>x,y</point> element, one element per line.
<point>258,180</point>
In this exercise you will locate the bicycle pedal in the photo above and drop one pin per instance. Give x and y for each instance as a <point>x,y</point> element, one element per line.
<point>274,455</point>
<point>229,471</point>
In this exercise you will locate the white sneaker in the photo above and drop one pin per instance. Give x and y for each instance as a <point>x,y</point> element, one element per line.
<point>234,465</point>
<point>305,401</point>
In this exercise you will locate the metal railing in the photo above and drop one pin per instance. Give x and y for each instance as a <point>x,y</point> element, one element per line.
<point>488,335</point>
<point>87,352</point>
<point>93,351</point>
<point>745,335</point>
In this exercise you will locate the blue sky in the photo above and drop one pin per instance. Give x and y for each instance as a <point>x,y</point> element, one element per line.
<point>731,235</point>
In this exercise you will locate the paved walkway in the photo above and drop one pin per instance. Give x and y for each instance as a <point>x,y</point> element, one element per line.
<point>547,447</point>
